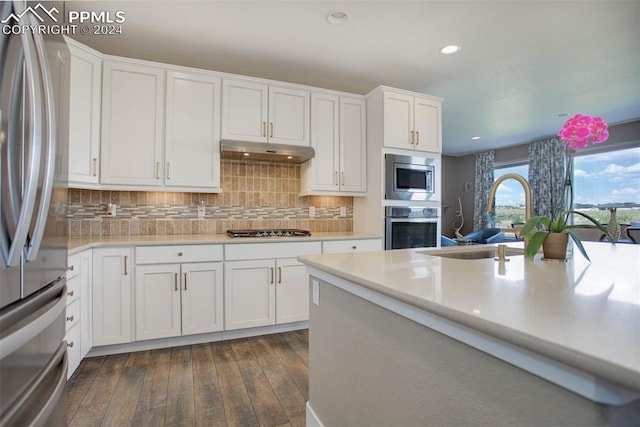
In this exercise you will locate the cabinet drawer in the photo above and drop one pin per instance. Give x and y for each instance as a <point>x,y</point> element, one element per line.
<point>361,245</point>
<point>178,254</point>
<point>73,265</point>
<point>271,250</point>
<point>73,289</point>
<point>72,314</point>
<point>73,349</point>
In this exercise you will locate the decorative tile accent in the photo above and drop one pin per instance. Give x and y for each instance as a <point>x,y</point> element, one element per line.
<point>257,195</point>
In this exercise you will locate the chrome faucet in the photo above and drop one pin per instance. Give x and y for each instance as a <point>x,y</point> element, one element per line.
<point>527,193</point>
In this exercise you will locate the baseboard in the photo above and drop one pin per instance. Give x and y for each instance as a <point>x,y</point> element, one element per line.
<point>312,418</point>
<point>194,339</point>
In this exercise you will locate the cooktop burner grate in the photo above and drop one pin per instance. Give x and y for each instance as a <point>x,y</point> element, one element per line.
<point>269,233</point>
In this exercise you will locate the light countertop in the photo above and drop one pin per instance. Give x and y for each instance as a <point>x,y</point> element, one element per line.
<point>79,244</point>
<point>586,315</point>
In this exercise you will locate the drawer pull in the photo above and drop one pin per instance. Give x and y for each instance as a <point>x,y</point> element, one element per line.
<point>185,281</point>
<point>70,344</point>
<point>179,253</point>
<point>70,318</point>
<point>70,268</point>
<point>354,247</point>
<point>70,293</point>
<point>176,281</point>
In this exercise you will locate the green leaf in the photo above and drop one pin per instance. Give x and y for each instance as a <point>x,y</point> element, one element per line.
<point>530,225</point>
<point>581,248</point>
<point>534,242</point>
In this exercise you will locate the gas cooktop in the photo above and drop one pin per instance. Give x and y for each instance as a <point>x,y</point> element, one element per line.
<point>269,233</point>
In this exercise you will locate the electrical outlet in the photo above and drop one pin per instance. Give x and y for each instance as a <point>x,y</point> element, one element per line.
<point>201,210</point>
<point>315,285</point>
<point>343,212</point>
<point>312,212</point>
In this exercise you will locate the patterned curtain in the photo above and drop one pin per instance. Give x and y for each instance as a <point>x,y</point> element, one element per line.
<point>484,179</point>
<point>546,175</point>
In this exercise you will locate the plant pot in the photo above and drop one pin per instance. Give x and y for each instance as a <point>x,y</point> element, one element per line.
<point>555,246</point>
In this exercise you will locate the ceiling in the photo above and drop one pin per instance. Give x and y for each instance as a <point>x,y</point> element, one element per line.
<point>521,63</point>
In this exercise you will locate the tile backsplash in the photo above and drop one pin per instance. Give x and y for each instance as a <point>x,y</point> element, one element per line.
<point>256,195</point>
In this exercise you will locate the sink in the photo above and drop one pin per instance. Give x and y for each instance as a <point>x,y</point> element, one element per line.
<point>477,254</point>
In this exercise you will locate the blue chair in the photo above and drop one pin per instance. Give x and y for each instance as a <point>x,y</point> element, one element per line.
<point>486,236</point>
<point>447,241</point>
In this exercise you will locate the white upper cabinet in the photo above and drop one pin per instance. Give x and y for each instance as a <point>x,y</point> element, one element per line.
<point>132,124</point>
<point>192,144</point>
<point>84,116</point>
<point>338,136</point>
<point>259,112</point>
<point>411,122</point>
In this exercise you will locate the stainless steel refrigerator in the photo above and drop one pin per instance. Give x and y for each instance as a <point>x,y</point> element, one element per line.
<point>33,156</point>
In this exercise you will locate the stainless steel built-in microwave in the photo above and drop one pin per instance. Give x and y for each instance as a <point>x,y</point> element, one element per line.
<point>411,178</point>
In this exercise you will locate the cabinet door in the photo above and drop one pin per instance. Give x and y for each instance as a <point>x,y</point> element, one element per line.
<point>84,116</point>
<point>202,298</point>
<point>353,145</point>
<point>427,120</point>
<point>289,116</point>
<point>112,295</point>
<point>132,126</point>
<point>325,141</point>
<point>192,145</point>
<point>249,294</point>
<point>292,291</point>
<point>397,120</point>
<point>86,279</point>
<point>157,301</point>
<point>244,110</point>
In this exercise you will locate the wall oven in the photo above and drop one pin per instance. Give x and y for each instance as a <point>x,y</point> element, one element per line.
<point>411,178</point>
<point>411,227</point>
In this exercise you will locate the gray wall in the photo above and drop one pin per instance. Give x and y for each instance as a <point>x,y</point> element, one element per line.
<point>458,170</point>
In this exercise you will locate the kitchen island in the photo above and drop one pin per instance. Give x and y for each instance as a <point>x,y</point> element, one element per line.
<point>410,337</point>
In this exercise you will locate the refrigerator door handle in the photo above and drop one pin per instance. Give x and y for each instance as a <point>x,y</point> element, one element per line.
<point>35,152</point>
<point>16,412</point>
<point>50,153</point>
<point>31,327</point>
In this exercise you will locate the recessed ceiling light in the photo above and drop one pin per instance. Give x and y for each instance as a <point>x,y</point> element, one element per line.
<point>448,50</point>
<point>337,17</point>
<point>562,115</point>
<point>475,137</point>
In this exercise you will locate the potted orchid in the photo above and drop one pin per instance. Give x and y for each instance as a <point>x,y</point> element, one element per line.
<point>552,232</point>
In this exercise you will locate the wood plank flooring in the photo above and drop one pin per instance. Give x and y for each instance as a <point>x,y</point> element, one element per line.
<point>259,381</point>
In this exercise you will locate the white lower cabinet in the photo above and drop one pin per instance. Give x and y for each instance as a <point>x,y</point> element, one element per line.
<point>78,310</point>
<point>261,291</point>
<point>173,299</point>
<point>112,296</point>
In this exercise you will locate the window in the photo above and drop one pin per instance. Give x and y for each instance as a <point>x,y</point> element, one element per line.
<point>509,203</point>
<point>607,180</point>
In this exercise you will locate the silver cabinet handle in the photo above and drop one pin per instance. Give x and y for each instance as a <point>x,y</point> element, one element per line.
<point>271,268</point>
<point>175,281</point>
<point>271,130</point>
<point>70,268</point>
<point>70,344</point>
<point>335,178</point>
<point>50,145</point>
<point>70,318</point>
<point>70,293</point>
<point>168,170</point>
<point>95,166</point>
<point>264,129</point>
<point>354,247</point>
<point>179,253</point>
<point>126,258</point>
<point>342,179</point>
<point>412,138</point>
<point>279,274</point>
<point>185,281</point>
<point>417,137</point>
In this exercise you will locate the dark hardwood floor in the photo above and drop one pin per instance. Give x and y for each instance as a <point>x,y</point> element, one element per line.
<point>259,381</point>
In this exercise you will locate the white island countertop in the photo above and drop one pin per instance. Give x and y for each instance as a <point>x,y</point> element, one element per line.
<point>583,315</point>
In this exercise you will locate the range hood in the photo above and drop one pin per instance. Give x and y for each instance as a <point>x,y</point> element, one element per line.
<point>266,152</point>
